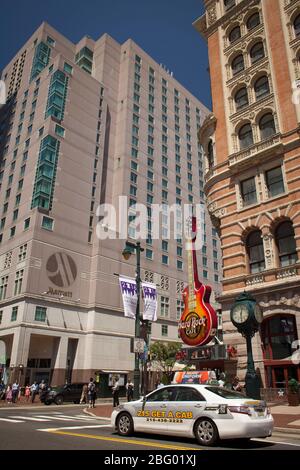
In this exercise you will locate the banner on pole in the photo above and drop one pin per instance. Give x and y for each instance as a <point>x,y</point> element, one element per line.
<point>129,296</point>
<point>150,301</point>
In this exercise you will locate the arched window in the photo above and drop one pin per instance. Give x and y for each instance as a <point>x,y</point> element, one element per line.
<point>262,87</point>
<point>267,126</point>
<point>255,251</point>
<point>286,244</point>
<point>210,154</point>
<point>229,4</point>
<point>241,98</point>
<point>297,26</point>
<point>245,136</point>
<point>237,64</point>
<point>253,21</point>
<point>257,52</point>
<point>235,34</point>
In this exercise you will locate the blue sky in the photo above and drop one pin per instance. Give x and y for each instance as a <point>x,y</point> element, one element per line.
<point>163,28</point>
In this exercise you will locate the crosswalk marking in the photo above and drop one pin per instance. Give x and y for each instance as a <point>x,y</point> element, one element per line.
<point>11,420</point>
<point>29,418</point>
<point>56,418</point>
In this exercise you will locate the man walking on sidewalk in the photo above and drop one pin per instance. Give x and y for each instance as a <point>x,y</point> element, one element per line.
<point>15,391</point>
<point>115,392</point>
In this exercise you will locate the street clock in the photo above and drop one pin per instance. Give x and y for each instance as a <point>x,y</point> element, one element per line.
<point>246,314</point>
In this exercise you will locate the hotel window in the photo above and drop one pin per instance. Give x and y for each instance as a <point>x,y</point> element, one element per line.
<point>12,232</point>
<point>164,195</point>
<point>257,52</point>
<point>245,136</point>
<point>150,162</point>
<point>164,245</point>
<point>253,21</point>
<point>134,153</point>
<point>59,130</point>
<point>205,274</point>
<point>237,64</point>
<point>286,244</point>
<point>165,259</point>
<point>133,178</point>
<point>26,224</point>
<point>149,254</point>
<point>14,314</point>
<point>274,181</point>
<point>47,223</point>
<point>267,126</point>
<point>164,171</point>
<point>134,165</point>
<point>179,265</point>
<point>179,308</point>
<point>235,34</point>
<point>216,278</point>
<point>164,160</point>
<point>215,254</point>
<point>18,282</point>
<point>149,199</point>
<point>133,190</point>
<point>297,26</point>
<point>216,266</point>
<point>164,330</point>
<point>2,223</point>
<point>248,191</point>
<point>261,87</point>
<point>68,68</point>
<point>241,98</point>
<point>40,314</point>
<point>164,306</point>
<point>15,214</point>
<point>50,41</point>
<point>255,251</point>
<point>3,287</point>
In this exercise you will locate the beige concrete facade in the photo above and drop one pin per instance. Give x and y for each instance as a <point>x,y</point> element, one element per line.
<point>236,31</point>
<point>60,303</point>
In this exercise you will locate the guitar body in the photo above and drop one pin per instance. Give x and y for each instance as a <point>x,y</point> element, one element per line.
<point>198,322</point>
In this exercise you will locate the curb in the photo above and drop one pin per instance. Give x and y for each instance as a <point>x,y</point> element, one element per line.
<point>95,416</point>
<point>287,430</point>
<point>37,407</point>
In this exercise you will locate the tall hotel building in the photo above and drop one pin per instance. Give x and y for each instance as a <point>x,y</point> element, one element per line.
<point>83,125</point>
<point>252,170</point>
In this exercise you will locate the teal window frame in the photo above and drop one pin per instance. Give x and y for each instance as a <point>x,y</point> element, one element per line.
<point>57,94</point>
<point>40,314</point>
<point>40,60</point>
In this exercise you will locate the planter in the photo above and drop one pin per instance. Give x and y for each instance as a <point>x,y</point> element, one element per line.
<point>293,399</point>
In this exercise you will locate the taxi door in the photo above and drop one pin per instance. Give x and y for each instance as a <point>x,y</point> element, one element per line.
<point>187,405</point>
<point>152,414</point>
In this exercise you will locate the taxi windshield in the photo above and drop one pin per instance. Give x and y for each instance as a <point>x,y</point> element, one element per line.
<point>225,392</point>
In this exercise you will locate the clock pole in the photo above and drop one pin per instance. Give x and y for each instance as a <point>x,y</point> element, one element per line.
<point>248,325</point>
<point>252,382</point>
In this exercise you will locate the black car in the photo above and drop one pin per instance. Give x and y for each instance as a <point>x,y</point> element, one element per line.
<point>63,393</point>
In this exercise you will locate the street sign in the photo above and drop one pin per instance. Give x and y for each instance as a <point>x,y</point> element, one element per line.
<point>139,345</point>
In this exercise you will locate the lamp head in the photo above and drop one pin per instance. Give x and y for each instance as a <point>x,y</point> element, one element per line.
<point>126,253</point>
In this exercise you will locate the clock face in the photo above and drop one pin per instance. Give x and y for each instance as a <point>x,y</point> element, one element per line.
<point>258,313</point>
<point>240,314</point>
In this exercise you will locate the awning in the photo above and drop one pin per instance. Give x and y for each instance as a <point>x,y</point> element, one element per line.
<point>104,371</point>
<point>177,367</point>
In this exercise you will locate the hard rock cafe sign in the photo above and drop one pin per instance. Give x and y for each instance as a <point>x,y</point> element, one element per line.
<point>198,322</point>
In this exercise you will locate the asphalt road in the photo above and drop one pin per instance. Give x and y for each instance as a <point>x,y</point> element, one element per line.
<point>68,428</point>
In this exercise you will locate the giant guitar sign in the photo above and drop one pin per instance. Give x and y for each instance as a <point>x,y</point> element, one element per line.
<point>198,322</point>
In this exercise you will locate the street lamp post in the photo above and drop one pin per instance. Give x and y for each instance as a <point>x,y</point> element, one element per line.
<point>129,249</point>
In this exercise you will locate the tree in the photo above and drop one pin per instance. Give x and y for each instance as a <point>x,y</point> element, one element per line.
<point>163,355</point>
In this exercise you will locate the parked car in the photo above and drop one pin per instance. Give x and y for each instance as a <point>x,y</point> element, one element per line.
<point>63,393</point>
<point>204,412</point>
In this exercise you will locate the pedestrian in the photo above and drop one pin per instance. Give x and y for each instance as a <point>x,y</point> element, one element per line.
<point>84,394</point>
<point>91,393</point>
<point>236,385</point>
<point>27,392</point>
<point>115,392</point>
<point>159,384</point>
<point>8,395</point>
<point>129,390</point>
<point>15,391</point>
<point>2,390</point>
<point>221,380</point>
<point>34,391</point>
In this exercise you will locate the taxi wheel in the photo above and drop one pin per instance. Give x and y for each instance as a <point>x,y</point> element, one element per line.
<point>206,432</point>
<point>124,424</point>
